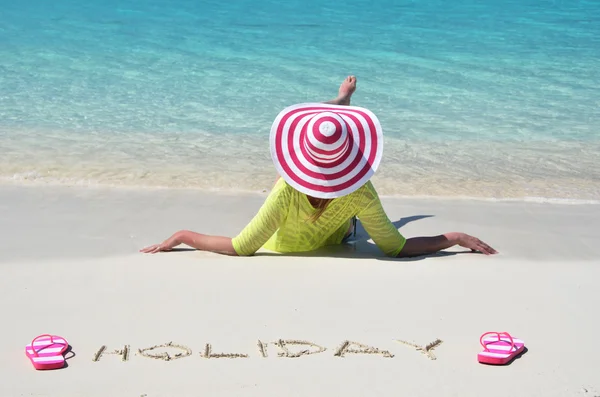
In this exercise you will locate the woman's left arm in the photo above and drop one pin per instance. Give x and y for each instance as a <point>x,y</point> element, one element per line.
<point>204,242</point>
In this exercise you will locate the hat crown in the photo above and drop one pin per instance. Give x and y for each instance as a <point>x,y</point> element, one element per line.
<point>326,138</point>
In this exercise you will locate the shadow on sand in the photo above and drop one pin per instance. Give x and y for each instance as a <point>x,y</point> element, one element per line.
<point>358,247</point>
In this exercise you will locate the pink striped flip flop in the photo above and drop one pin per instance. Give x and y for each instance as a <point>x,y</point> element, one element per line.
<point>499,348</point>
<point>46,351</point>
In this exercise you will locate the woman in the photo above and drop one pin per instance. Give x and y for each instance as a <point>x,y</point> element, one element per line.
<point>325,154</point>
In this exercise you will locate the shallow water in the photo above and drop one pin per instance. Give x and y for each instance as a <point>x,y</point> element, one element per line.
<point>494,100</point>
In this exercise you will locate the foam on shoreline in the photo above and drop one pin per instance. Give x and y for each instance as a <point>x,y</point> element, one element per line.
<point>538,171</point>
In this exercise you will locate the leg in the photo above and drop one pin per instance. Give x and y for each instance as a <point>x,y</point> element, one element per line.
<point>347,88</point>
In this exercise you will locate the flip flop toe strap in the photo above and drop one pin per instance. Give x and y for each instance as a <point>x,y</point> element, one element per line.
<point>498,334</point>
<point>52,342</point>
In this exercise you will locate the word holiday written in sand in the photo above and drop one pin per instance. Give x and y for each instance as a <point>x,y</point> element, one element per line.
<point>288,348</point>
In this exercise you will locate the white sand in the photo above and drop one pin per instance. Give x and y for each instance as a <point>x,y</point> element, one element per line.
<point>69,266</point>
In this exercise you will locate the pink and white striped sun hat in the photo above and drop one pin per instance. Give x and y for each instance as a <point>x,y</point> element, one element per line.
<point>326,151</point>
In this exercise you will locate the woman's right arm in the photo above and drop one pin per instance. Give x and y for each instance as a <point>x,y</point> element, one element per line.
<point>392,243</point>
<point>416,246</point>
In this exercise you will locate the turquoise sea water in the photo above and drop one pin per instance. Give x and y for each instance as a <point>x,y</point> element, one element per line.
<point>497,99</point>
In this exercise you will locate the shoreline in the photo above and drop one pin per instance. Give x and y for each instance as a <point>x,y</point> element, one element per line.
<point>264,192</point>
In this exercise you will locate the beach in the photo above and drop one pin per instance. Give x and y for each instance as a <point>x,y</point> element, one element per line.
<point>70,267</point>
<point>124,122</point>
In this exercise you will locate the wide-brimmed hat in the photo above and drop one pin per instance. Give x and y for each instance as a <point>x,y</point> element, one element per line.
<point>326,151</point>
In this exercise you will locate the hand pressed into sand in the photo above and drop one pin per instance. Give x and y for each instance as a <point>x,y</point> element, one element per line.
<point>153,249</point>
<point>169,244</point>
<point>473,243</point>
<point>416,246</point>
<point>166,245</point>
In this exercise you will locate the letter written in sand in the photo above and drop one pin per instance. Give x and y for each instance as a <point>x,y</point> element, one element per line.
<point>426,350</point>
<point>346,347</point>
<point>262,348</point>
<point>285,352</point>
<point>124,353</point>
<point>209,354</point>
<point>184,352</point>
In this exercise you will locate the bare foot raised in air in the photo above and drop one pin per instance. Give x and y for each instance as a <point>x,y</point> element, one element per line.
<point>347,88</point>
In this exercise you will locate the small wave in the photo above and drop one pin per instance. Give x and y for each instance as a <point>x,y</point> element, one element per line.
<point>551,200</point>
<point>25,176</point>
<point>35,178</point>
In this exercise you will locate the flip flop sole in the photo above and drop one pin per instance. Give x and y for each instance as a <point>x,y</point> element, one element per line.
<point>48,362</point>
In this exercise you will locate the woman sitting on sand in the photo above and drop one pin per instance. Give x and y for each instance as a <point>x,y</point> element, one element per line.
<point>325,154</point>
